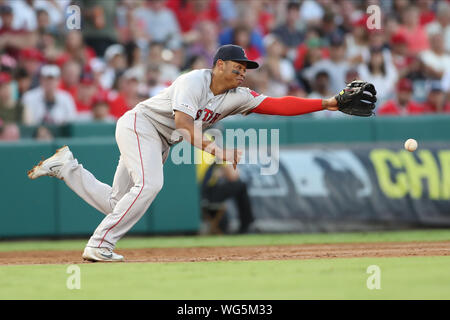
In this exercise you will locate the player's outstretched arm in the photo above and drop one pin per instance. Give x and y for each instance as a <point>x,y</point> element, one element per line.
<point>358,99</point>
<point>294,106</point>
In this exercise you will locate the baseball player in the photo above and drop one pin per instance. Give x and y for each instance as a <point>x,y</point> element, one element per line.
<point>194,101</point>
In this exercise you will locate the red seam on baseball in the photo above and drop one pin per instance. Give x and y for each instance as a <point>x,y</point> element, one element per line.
<point>143,183</point>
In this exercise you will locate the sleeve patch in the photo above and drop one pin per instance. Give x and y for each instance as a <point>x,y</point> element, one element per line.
<point>254,93</point>
<point>188,107</point>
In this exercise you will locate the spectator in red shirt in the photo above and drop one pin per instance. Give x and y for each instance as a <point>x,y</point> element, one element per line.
<point>70,77</point>
<point>13,40</point>
<point>101,110</point>
<point>189,12</point>
<point>436,101</point>
<point>31,60</point>
<point>310,51</point>
<point>403,104</point>
<point>416,35</point>
<point>75,49</point>
<point>401,57</point>
<point>248,18</point>
<point>242,38</point>
<point>85,95</point>
<point>117,104</point>
<point>426,13</point>
<point>127,95</point>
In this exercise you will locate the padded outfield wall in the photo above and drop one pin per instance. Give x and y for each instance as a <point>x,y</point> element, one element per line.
<point>46,207</point>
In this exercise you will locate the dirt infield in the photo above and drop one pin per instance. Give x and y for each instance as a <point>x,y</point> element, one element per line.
<point>285,252</point>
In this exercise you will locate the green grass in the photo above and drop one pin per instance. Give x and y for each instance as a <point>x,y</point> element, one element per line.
<point>242,240</point>
<point>401,278</point>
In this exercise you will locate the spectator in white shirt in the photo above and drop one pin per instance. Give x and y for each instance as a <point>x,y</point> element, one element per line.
<point>47,104</point>
<point>322,90</point>
<point>311,12</point>
<point>55,9</point>
<point>281,70</point>
<point>436,60</point>
<point>24,15</point>
<point>381,73</point>
<point>153,80</point>
<point>160,23</point>
<point>336,66</point>
<point>116,62</point>
<point>442,23</point>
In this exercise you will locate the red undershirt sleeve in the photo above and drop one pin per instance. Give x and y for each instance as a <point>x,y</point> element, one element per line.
<point>288,106</point>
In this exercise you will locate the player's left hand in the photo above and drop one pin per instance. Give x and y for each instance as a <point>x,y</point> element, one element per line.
<point>357,99</point>
<point>233,156</point>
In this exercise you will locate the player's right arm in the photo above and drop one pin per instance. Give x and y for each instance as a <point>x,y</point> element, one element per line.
<point>185,125</point>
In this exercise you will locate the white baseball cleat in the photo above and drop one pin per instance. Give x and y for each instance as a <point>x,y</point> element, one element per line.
<point>51,166</point>
<point>101,254</point>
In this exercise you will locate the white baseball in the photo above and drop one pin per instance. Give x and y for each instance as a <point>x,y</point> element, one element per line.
<point>411,145</point>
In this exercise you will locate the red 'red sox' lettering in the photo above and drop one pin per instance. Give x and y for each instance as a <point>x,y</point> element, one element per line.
<point>215,118</point>
<point>209,115</point>
<point>199,113</point>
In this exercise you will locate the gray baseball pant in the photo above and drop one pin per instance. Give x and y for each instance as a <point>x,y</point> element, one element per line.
<point>137,181</point>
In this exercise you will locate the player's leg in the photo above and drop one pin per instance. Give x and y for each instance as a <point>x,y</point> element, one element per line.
<point>98,194</point>
<point>122,183</point>
<point>64,166</point>
<point>91,190</point>
<point>141,151</point>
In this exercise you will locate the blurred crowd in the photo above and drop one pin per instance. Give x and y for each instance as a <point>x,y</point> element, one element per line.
<point>125,51</point>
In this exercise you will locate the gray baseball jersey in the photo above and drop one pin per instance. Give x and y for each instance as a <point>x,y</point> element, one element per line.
<point>143,147</point>
<point>191,94</point>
